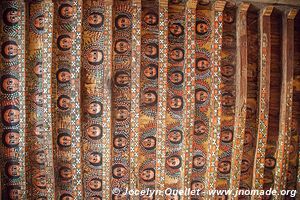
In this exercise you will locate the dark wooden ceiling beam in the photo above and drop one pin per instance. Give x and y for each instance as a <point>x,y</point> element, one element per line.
<point>264,96</point>
<point>282,150</point>
<point>241,96</point>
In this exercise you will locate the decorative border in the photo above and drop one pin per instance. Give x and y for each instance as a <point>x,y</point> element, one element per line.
<point>47,101</point>
<point>106,180</point>
<point>189,97</point>
<point>135,93</point>
<point>264,91</point>
<point>162,96</point>
<point>215,103</point>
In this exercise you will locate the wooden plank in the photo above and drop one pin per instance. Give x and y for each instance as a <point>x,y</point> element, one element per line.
<point>282,150</point>
<point>162,97</point>
<point>94,56</point>
<point>66,101</point>
<point>106,181</point>
<point>241,98</point>
<point>215,101</point>
<point>203,64</point>
<point>189,97</point>
<point>175,90</point>
<point>135,94</point>
<point>148,85</point>
<point>12,68</point>
<point>121,95</point>
<point>264,93</point>
<point>38,102</point>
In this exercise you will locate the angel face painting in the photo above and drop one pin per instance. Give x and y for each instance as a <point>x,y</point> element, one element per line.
<point>227,100</point>
<point>118,171</point>
<point>245,165</point>
<point>122,22</point>
<point>197,185</point>
<point>64,140</point>
<point>94,109</point>
<point>38,70</point>
<point>176,77</point>
<point>151,71</point>
<point>12,169</point>
<point>14,192</point>
<point>151,19</point>
<point>11,16</point>
<point>224,167</point>
<point>121,46</point>
<point>63,75</point>
<point>9,49</point>
<point>174,162</point>
<point>198,162</point>
<point>66,11</point>
<point>95,159</point>
<point>201,95</point>
<point>94,132</point>
<point>122,78</point>
<point>64,102</point>
<point>148,175</point>
<point>177,54</point>
<point>9,84</point>
<point>228,18</point>
<point>200,128</point>
<point>270,162</point>
<point>227,71</point>
<point>149,143</point>
<point>175,136</point>
<point>39,22</point>
<point>149,98</point>
<point>39,180</point>
<point>226,136</point>
<point>151,50</point>
<point>95,184</point>
<point>95,19</point>
<point>176,29</point>
<point>201,27</point>
<point>65,173</point>
<point>202,64</point>
<point>176,103</point>
<point>11,138</point>
<point>122,113</point>
<point>95,57</point>
<point>40,157</point>
<point>120,141</point>
<point>11,115</point>
<point>64,42</point>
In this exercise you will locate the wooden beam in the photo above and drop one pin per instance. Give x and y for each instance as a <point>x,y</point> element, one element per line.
<point>38,50</point>
<point>241,97</point>
<point>162,97</point>
<point>13,102</point>
<point>135,94</point>
<point>285,116</point>
<point>264,95</point>
<point>189,91</point>
<point>215,99</point>
<point>107,73</point>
